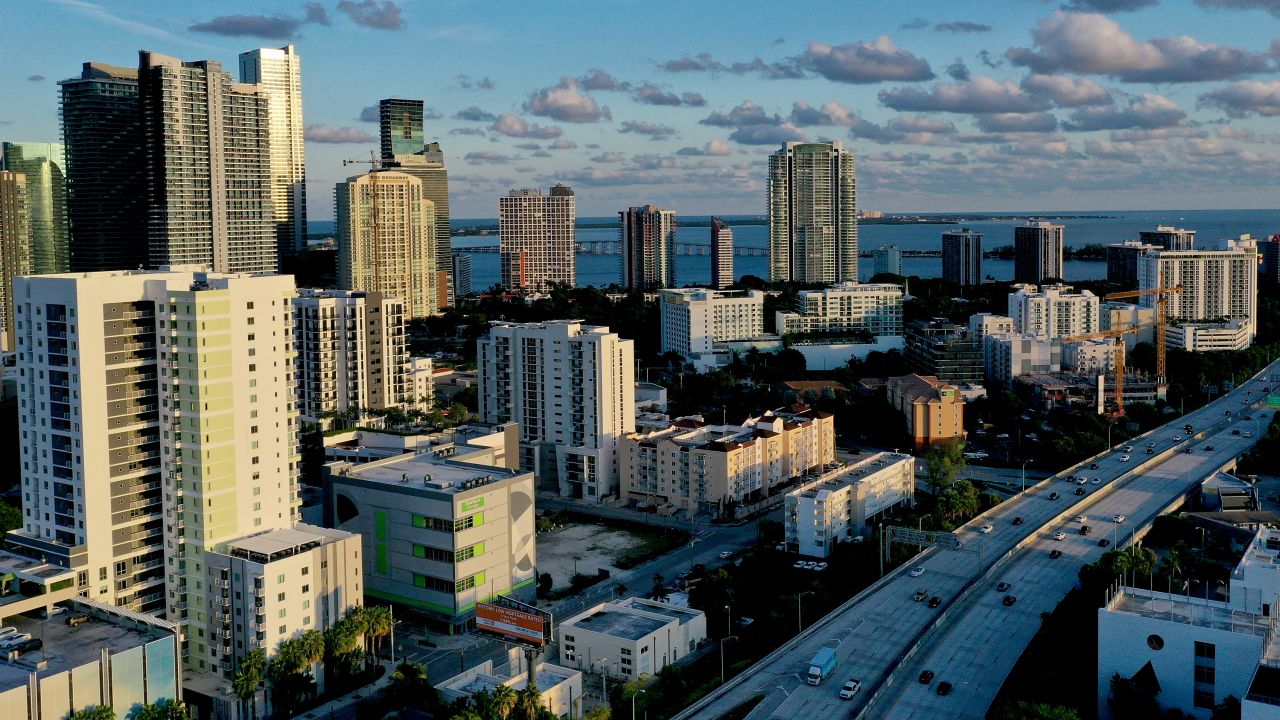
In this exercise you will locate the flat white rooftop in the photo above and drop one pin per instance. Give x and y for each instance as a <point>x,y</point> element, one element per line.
<point>425,471</point>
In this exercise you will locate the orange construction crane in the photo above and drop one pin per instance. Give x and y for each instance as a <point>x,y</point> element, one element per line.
<point>1162,301</point>
<point>1119,365</point>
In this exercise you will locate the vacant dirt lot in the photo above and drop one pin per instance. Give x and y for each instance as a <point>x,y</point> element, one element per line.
<point>591,546</point>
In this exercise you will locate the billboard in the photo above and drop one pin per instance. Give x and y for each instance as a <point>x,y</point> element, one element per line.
<point>514,622</point>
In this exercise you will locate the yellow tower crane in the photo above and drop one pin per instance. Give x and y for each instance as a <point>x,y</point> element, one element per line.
<point>1119,364</point>
<point>1162,311</point>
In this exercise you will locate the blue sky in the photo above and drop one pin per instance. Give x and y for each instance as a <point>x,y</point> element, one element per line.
<point>999,105</point>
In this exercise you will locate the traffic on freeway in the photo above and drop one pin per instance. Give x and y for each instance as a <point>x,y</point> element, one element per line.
<point>884,630</point>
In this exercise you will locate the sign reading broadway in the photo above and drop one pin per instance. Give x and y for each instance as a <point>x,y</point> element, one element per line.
<point>512,621</point>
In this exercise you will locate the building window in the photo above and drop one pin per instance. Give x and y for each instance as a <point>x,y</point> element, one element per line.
<point>1205,650</point>
<point>1204,699</point>
<point>1155,642</point>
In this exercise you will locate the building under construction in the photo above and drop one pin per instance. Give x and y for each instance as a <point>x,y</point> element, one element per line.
<point>1046,391</point>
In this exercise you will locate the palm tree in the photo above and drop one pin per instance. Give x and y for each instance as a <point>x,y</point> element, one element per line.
<point>528,703</point>
<point>97,712</point>
<point>504,701</point>
<point>164,710</point>
<point>378,620</point>
<point>248,678</point>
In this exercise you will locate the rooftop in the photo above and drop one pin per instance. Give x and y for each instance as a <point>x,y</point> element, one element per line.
<point>274,545</point>
<point>1188,610</point>
<point>424,471</point>
<point>546,677</point>
<point>616,621</point>
<point>843,476</point>
<point>67,647</point>
<point>675,612</point>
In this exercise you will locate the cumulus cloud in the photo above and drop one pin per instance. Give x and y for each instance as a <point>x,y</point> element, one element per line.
<point>1066,91</point>
<point>1271,6</point>
<point>35,78</point>
<point>1108,6</point>
<point>609,157</point>
<point>1245,97</point>
<point>562,144</point>
<point>384,15</point>
<point>566,102</point>
<point>467,131</point>
<point>1088,43</point>
<point>748,113</point>
<point>529,146</point>
<point>270,27</point>
<point>980,95</point>
<point>597,79</point>
<point>915,24</point>
<point>653,130</point>
<point>1144,112</point>
<point>865,62</point>
<point>704,62</point>
<point>369,113</point>
<point>487,157</point>
<point>908,129</point>
<point>958,71</point>
<point>831,113</point>
<point>766,134</point>
<point>474,114</point>
<point>329,134</point>
<point>467,83</point>
<point>715,147</point>
<point>962,27</point>
<point>984,56</point>
<point>650,94</point>
<point>1018,123</point>
<point>513,126</point>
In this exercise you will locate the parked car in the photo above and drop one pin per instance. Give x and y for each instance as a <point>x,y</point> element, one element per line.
<point>799,564</point>
<point>820,567</point>
<point>926,677</point>
<point>1059,536</point>
<point>810,565</point>
<point>77,619</point>
<point>944,688</point>
<point>1177,438</point>
<point>935,601</point>
<point>1055,554</point>
<point>1082,480</point>
<point>1248,434</point>
<point>1187,451</point>
<point>986,529</point>
<point>1009,600</point>
<point>1208,448</point>
<point>29,646</point>
<point>917,571</point>
<point>7,631</point>
<point>850,689</point>
<point>11,641</point>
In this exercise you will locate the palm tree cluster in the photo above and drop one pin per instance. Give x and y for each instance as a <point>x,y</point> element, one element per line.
<point>503,703</point>
<point>163,710</point>
<point>401,418</point>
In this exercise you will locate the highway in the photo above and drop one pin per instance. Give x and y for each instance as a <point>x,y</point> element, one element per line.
<point>885,638</point>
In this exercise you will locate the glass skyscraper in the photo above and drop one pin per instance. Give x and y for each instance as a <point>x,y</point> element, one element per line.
<point>278,72</point>
<point>45,168</point>
<point>813,224</point>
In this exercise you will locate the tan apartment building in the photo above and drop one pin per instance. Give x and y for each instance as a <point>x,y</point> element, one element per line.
<point>933,409</point>
<point>692,465</point>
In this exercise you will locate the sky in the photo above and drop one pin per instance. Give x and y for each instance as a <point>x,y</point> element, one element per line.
<point>977,105</point>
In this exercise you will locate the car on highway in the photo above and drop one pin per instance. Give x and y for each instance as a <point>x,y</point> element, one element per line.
<point>1248,434</point>
<point>917,571</point>
<point>1236,431</point>
<point>1208,448</point>
<point>1059,535</point>
<point>1009,600</point>
<point>1103,542</point>
<point>1017,520</point>
<point>1228,413</point>
<point>1085,529</point>
<point>1128,448</point>
<point>1003,587</point>
<point>944,688</point>
<point>1177,438</point>
<point>726,554</point>
<point>926,677</point>
<point>850,689</point>
<point>1187,451</point>
<point>1118,518</point>
<point>1080,491</point>
<point>1096,481</point>
<point>986,529</point>
<point>935,601</point>
<point>1093,466</point>
<point>1151,444</point>
<point>1151,451</point>
<point>921,594</point>
<point>799,564</point>
<point>1055,554</point>
<point>820,566</point>
<point>1082,480</point>
<point>1124,458</point>
<point>810,565</point>
<point>1080,518</point>
<point>1053,496</point>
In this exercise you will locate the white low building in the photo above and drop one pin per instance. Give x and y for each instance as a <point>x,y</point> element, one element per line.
<point>837,505</point>
<point>1007,356</point>
<point>418,374</point>
<point>560,688</point>
<point>631,638</point>
<point>1199,650</point>
<point>695,320</point>
<point>1210,337</point>
<point>872,309</point>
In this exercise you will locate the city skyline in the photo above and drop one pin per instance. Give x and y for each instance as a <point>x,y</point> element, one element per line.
<point>1012,108</point>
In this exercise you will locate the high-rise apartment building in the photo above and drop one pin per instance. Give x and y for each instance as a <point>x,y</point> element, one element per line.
<point>1219,284</point>
<point>106,168</point>
<point>886,259</point>
<point>813,213</point>
<point>351,353</point>
<point>1270,251</point>
<point>404,148</point>
<point>278,72</point>
<point>45,166</point>
<point>208,167</point>
<point>386,239</point>
<point>1053,311</point>
<point>571,388</point>
<point>721,255</point>
<point>1122,261</point>
<point>158,422</point>
<point>1169,237</point>
<point>536,238</point>
<point>1037,252</point>
<point>461,274</point>
<point>647,240</point>
<point>962,257</point>
<point>15,247</point>
<point>695,319</point>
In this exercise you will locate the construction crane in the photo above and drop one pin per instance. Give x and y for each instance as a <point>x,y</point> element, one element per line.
<point>1162,301</point>
<point>375,237</point>
<point>1119,364</point>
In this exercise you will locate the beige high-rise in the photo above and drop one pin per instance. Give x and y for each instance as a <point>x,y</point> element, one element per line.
<point>278,72</point>
<point>536,238</point>
<point>386,239</point>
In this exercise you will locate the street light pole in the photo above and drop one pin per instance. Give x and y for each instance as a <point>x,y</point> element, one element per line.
<point>722,642</point>
<point>1024,474</point>
<point>633,700</point>
<point>728,626</point>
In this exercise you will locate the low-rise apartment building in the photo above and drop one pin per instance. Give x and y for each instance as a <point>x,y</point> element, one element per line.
<point>933,409</point>
<point>695,466</point>
<point>631,638</point>
<point>439,535</point>
<point>837,505</point>
<point>844,309</point>
<point>694,320</point>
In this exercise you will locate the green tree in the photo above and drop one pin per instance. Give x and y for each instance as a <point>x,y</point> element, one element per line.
<point>378,620</point>
<point>659,589</point>
<point>599,712</point>
<point>958,503</point>
<point>164,710</point>
<point>545,583</point>
<point>943,464</point>
<point>410,688</point>
<point>1228,709</point>
<point>1132,699</point>
<point>97,712</point>
<point>247,679</point>
<point>1023,710</point>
